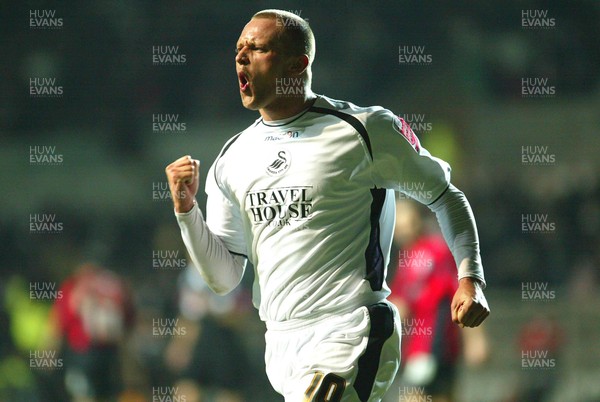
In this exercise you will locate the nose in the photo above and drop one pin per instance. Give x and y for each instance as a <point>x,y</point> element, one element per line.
<point>242,57</point>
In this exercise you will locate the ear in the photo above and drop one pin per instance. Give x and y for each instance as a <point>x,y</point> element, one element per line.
<point>299,64</point>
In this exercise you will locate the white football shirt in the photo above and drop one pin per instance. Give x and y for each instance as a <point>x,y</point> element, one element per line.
<point>310,202</point>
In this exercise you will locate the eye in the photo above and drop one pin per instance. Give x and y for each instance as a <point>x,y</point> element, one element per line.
<point>252,48</point>
<point>258,48</point>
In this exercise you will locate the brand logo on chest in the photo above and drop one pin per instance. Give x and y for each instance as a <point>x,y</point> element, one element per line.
<point>283,135</point>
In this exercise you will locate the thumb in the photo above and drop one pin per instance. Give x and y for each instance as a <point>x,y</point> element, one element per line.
<point>458,313</point>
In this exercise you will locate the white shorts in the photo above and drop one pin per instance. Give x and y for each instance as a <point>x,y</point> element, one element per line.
<point>347,358</point>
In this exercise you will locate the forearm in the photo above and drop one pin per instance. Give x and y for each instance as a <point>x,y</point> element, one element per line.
<point>221,270</point>
<point>457,222</point>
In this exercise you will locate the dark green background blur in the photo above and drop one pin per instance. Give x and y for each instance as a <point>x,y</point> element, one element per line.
<point>466,104</point>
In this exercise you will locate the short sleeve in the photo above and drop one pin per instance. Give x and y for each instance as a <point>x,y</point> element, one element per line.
<point>401,163</point>
<point>223,215</point>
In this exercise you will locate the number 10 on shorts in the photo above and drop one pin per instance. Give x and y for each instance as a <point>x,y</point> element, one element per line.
<point>325,388</point>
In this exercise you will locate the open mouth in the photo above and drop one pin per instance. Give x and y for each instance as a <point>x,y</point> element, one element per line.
<point>244,82</point>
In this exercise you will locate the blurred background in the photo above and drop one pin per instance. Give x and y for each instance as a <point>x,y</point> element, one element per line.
<point>97,298</point>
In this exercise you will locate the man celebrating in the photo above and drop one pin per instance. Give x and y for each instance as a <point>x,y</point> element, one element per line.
<point>306,193</point>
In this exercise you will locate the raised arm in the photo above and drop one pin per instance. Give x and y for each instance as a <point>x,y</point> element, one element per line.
<point>221,269</point>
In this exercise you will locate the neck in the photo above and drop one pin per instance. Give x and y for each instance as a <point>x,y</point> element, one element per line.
<point>288,107</point>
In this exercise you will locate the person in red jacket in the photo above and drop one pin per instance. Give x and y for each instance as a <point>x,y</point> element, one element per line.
<point>92,318</point>
<point>422,289</point>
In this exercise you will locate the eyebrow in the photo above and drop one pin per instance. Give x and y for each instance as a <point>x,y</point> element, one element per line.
<point>252,42</point>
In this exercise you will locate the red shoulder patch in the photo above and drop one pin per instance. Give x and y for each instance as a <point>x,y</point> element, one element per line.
<point>403,128</point>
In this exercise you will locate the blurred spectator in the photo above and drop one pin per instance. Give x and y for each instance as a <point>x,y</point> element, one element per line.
<point>422,288</point>
<point>25,331</point>
<point>209,363</point>
<point>92,317</point>
<point>540,341</point>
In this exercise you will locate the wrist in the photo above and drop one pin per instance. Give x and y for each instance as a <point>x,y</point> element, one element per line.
<point>183,207</point>
<point>468,280</point>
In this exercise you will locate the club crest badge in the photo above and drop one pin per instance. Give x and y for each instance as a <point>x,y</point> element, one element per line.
<point>280,164</point>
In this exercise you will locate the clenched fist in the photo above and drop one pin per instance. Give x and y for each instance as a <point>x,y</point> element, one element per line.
<point>183,177</point>
<point>469,306</point>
